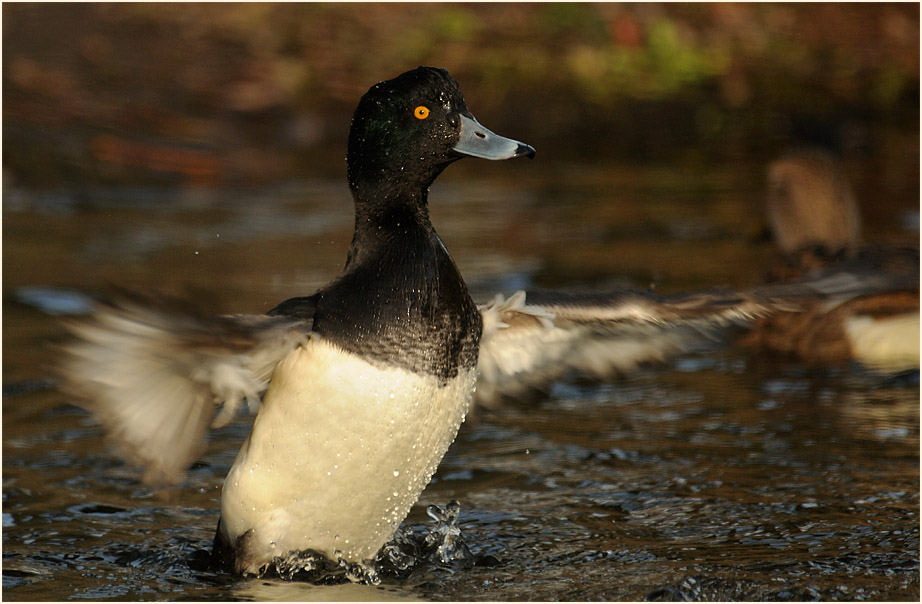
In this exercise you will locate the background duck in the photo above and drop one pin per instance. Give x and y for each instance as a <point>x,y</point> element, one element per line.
<point>816,222</point>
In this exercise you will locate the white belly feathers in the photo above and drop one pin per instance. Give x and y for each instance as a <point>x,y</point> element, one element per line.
<point>339,453</point>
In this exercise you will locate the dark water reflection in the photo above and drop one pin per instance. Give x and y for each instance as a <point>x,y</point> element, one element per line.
<point>716,477</point>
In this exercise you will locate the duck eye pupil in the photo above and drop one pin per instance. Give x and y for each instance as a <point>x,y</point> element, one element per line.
<point>421,112</point>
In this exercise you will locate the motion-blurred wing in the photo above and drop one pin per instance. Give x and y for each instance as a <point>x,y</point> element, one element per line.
<point>531,339</point>
<point>156,378</point>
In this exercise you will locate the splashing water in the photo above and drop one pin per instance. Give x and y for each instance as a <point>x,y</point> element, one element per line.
<point>411,550</point>
<point>445,538</point>
<point>415,549</point>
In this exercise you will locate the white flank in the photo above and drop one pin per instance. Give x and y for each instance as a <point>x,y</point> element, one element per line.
<point>339,453</point>
<point>890,343</point>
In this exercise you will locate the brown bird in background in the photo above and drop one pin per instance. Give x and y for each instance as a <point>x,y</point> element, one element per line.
<point>816,223</point>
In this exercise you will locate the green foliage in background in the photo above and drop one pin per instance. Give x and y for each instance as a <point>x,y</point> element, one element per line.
<point>261,76</point>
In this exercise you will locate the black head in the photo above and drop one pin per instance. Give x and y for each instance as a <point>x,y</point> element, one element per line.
<point>405,131</point>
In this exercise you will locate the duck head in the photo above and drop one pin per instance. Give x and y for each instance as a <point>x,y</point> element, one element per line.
<point>405,131</point>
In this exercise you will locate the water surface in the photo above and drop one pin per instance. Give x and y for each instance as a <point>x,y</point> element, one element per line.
<point>717,476</point>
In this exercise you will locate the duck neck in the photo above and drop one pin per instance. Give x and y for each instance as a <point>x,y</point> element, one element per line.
<point>400,299</point>
<point>388,218</point>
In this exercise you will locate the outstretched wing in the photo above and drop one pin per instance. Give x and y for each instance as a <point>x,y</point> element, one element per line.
<point>531,339</point>
<point>157,379</point>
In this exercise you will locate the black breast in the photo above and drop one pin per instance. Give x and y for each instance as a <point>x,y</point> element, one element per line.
<point>402,304</point>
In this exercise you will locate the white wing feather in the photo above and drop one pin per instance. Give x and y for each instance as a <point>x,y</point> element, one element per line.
<point>528,343</point>
<point>156,378</point>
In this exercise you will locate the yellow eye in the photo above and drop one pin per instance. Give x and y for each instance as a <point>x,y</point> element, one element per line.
<point>421,112</point>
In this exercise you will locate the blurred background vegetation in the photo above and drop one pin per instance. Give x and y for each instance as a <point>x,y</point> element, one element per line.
<point>216,94</point>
